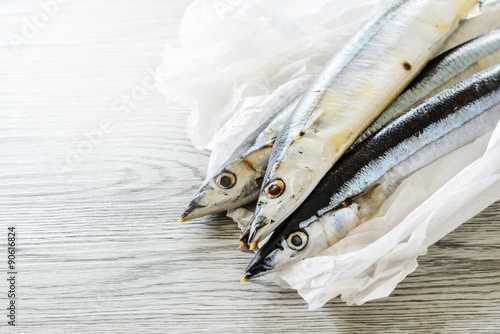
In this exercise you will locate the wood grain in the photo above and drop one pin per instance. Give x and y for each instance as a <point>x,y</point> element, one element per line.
<point>98,247</point>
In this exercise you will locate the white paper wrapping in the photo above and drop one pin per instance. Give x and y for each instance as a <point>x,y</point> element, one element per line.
<point>243,60</point>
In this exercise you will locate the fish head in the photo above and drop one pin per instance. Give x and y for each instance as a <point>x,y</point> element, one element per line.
<point>236,184</point>
<point>285,184</point>
<point>293,240</point>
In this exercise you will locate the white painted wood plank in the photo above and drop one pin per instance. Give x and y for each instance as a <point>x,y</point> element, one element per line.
<point>99,250</point>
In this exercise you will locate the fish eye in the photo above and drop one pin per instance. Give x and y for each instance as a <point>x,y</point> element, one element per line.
<point>275,188</point>
<point>225,180</point>
<point>297,240</point>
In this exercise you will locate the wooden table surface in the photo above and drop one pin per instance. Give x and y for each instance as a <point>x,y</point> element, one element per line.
<point>95,169</point>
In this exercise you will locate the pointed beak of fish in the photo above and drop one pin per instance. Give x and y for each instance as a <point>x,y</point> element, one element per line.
<point>252,234</point>
<point>244,235</point>
<point>257,267</point>
<point>193,210</point>
<point>253,272</point>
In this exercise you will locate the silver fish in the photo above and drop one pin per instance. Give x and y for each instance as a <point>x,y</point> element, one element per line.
<point>354,87</point>
<point>356,187</point>
<point>238,182</point>
<point>442,72</point>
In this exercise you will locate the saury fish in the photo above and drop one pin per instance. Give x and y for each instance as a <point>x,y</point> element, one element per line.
<point>355,86</point>
<point>212,197</point>
<point>443,71</point>
<point>238,181</point>
<point>246,166</point>
<point>353,190</point>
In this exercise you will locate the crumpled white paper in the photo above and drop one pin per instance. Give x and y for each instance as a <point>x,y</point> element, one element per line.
<point>241,61</point>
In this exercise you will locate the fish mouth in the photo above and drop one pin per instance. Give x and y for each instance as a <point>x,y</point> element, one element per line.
<point>191,212</point>
<point>249,231</point>
<point>256,269</point>
<point>244,236</point>
<point>251,236</point>
<point>263,262</point>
